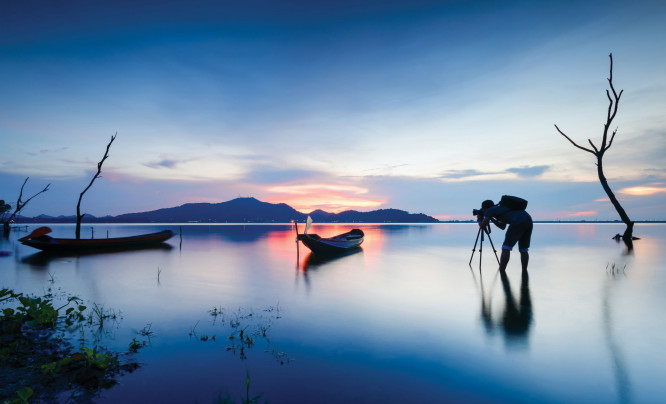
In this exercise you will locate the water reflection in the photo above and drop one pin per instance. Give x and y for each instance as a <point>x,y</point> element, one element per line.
<point>42,259</point>
<point>234,232</point>
<point>314,262</point>
<point>516,318</point>
<point>620,369</point>
<point>400,315</point>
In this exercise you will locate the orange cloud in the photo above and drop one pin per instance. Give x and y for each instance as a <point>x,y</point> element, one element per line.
<point>310,188</point>
<point>644,190</point>
<point>583,213</point>
<point>329,197</point>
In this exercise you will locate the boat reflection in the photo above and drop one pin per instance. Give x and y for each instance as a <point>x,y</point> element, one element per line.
<point>42,259</point>
<point>314,261</point>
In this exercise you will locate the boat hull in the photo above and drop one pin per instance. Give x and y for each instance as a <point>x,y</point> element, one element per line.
<point>333,245</point>
<point>50,244</point>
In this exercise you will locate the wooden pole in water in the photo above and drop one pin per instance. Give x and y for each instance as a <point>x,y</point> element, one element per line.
<point>297,246</point>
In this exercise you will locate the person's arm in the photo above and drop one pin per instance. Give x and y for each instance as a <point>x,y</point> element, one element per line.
<point>498,223</point>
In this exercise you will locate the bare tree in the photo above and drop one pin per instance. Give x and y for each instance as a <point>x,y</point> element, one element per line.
<point>79,216</point>
<point>20,204</point>
<point>606,143</point>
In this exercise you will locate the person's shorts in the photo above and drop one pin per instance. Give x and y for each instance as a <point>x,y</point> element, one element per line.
<point>520,233</point>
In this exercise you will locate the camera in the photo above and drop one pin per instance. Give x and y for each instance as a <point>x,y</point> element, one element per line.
<point>479,214</point>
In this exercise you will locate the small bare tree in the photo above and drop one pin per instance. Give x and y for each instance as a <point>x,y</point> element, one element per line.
<point>606,143</point>
<point>79,216</point>
<point>20,204</point>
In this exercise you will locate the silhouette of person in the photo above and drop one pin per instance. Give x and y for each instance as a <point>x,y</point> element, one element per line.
<point>519,231</point>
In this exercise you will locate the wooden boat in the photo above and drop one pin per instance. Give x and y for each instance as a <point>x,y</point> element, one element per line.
<point>40,240</point>
<point>331,245</point>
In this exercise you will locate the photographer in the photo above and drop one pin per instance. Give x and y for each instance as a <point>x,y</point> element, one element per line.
<point>519,231</point>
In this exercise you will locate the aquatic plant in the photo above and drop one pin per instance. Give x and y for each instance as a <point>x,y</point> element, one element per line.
<point>135,345</point>
<point>24,394</point>
<point>146,330</point>
<point>246,400</point>
<point>99,315</point>
<point>245,327</point>
<point>192,332</point>
<point>36,360</point>
<point>613,270</point>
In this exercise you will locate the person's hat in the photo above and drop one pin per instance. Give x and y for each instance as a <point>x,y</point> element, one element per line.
<point>487,204</point>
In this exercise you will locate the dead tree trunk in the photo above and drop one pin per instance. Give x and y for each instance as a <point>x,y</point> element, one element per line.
<point>79,216</point>
<point>20,205</point>
<point>605,145</point>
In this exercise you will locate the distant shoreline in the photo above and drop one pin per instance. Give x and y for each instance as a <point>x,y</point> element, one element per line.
<point>102,222</point>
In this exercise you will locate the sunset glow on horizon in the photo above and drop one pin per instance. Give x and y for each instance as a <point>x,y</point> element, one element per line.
<point>333,198</point>
<point>332,203</point>
<point>578,214</point>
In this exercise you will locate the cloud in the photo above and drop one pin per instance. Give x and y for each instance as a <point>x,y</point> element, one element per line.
<point>522,172</point>
<point>583,213</point>
<point>461,174</point>
<point>165,163</point>
<point>643,190</point>
<point>316,188</point>
<point>272,175</point>
<point>528,171</point>
<point>45,151</point>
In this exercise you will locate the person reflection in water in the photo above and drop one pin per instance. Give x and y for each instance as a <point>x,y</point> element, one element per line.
<point>517,316</point>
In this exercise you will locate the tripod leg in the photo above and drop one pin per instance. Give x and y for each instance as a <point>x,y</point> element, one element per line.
<point>481,249</point>
<point>493,245</point>
<point>474,248</point>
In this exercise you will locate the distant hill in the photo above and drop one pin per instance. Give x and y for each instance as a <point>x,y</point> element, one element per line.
<point>242,210</point>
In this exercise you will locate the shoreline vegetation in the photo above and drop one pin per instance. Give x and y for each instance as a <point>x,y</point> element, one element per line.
<point>51,345</point>
<point>50,348</point>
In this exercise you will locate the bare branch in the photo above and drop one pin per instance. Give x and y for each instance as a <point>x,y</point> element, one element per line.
<point>596,151</point>
<point>79,216</point>
<point>574,143</point>
<point>20,204</point>
<point>611,139</point>
<point>613,103</point>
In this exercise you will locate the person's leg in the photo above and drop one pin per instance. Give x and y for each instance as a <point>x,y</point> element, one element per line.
<point>511,238</point>
<point>524,245</point>
<point>524,260</point>
<point>504,259</point>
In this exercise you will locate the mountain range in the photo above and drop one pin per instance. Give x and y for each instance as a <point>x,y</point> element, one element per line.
<point>242,210</point>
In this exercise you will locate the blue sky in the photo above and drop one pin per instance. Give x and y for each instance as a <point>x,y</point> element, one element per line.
<point>426,106</point>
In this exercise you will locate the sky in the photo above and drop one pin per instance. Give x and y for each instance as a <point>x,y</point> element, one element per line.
<point>425,106</point>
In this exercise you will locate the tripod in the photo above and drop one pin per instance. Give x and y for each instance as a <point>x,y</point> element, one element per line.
<point>481,232</point>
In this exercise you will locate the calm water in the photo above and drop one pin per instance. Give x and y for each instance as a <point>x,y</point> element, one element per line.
<point>404,320</point>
